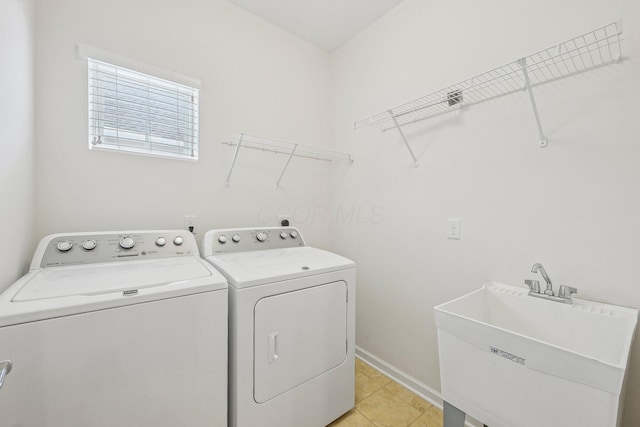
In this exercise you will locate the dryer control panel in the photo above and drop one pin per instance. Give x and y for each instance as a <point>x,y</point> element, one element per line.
<point>250,239</point>
<point>90,248</point>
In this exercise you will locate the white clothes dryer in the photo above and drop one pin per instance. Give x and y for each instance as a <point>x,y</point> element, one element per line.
<point>291,327</point>
<point>115,329</point>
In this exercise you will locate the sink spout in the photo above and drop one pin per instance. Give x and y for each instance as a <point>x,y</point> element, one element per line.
<point>537,267</point>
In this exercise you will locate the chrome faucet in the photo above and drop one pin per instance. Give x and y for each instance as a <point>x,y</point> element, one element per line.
<point>537,267</point>
<point>564,293</point>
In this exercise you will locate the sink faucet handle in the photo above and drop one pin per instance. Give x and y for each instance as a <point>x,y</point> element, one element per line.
<point>534,285</point>
<point>566,291</point>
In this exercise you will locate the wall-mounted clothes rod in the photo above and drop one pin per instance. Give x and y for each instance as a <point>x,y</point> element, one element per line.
<point>588,51</point>
<point>289,149</point>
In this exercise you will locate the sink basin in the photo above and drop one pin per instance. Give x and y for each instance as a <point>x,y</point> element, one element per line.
<point>511,360</point>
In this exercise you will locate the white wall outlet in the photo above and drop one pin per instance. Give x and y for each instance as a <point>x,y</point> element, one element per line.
<point>190,221</point>
<point>453,228</point>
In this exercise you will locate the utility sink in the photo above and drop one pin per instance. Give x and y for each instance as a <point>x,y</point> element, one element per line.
<point>511,360</point>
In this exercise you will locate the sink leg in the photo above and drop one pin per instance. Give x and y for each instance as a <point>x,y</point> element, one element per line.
<point>453,417</point>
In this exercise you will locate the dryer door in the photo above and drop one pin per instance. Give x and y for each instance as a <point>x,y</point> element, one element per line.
<point>298,336</point>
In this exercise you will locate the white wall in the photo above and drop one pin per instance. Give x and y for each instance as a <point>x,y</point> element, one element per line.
<point>16,139</point>
<point>255,78</point>
<point>573,206</point>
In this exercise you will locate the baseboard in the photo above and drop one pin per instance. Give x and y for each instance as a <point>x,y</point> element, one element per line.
<point>421,389</point>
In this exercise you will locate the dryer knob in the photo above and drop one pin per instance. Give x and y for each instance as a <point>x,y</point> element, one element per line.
<point>261,236</point>
<point>222,239</point>
<point>283,235</point>
<point>178,240</point>
<point>236,238</point>
<point>161,241</point>
<point>89,245</point>
<point>294,234</point>
<point>127,242</point>
<point>64,245</point>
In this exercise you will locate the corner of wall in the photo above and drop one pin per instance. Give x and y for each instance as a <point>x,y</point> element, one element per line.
<point>17,163</point>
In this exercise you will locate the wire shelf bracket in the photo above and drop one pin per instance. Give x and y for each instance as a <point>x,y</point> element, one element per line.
<point>291,150</point>
<point>523,63</point>
<point>235,158</point>
<point>286,166</point>
<point>404,138</point>
<point>597,48</point>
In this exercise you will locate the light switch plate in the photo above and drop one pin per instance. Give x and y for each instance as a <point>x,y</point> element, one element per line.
<point>453,228</point>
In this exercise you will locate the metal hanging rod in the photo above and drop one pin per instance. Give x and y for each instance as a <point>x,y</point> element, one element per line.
<point>281,147</point>
<point>589,51</point>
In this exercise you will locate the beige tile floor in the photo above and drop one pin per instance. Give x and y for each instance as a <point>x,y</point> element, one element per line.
<point>382,402</point>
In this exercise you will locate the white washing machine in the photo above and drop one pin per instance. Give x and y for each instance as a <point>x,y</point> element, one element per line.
<point>115,329</point>
<point>291,327</point>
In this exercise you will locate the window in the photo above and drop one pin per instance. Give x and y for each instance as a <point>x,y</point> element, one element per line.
<point>137,113</point>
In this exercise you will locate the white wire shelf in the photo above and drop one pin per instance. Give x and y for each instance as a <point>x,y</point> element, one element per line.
<point>591,50</point>
<point>276,146</point>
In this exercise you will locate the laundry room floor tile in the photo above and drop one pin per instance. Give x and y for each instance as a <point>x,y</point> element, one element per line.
<point>353,418</point>
<point>431,418</point>
<point>382,402</point>
<point>365,386</point>
<point>409,397</point>
<point>373,374</point>
<point>386,409</point>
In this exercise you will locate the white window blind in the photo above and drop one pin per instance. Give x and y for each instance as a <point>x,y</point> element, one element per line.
<point>138,113</point>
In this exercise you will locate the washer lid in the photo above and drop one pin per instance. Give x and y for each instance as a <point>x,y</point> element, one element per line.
<point>246,269</point>
<point>97,279</point>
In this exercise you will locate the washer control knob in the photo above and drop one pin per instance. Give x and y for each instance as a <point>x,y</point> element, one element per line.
<point>89,245</point>
<point>261,236</point>
<point>283,235</point>
<point>161,241</point>
<point>294,234</point>
<point>236,238</point>
<point>64,245</point>
<point>222,239</point>
<point>178,240</point>
<point>127,242</point>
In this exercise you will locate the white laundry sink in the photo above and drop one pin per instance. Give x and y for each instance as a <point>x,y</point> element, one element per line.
<point>511,360</point>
